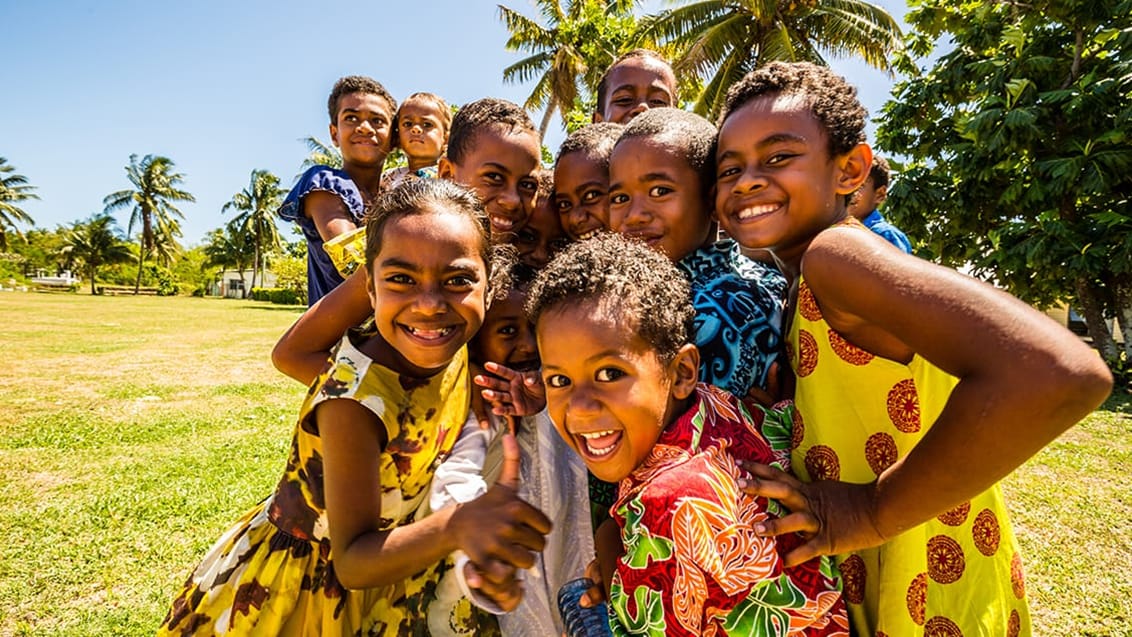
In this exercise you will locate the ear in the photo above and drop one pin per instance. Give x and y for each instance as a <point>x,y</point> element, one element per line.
<point>597,117</point>
<point>444,168</point>
<point>880,195</point>
<point>685,371</point>
<point>334,134</point>
<point>370,291</point>
<point>853,168</point>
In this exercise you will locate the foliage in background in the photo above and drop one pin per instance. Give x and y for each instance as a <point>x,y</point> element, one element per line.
<point>1020,161</point>
<point>14,188</point>
<point>569,54</point>
<point>255,224</point>
<point>151,203</point>
<point>95,243</point>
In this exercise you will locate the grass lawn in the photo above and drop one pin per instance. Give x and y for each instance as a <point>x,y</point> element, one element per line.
<point>135,430</point>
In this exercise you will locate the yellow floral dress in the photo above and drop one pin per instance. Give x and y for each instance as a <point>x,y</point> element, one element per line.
<point>959,574</point>
<point>273,572</point>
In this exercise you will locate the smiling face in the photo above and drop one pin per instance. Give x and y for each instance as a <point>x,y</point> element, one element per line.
<point>420,132</point>
<point>635,85</point>
<point>499,167</point>
<point>362,129</point>
<point>777,184</point>
<point>608,391</point>
<point>541,236</point>
<point>581,195</point>
<point>428,303</point>
<point>656,196</point>
<point>507,337</point>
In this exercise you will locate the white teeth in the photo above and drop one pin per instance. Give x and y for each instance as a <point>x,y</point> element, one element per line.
<point>430,334</point>
<point>502,223</point>
<point>587,235</point>
<point>597,434</point>
<point>600,452</point>
<point>755,211</point>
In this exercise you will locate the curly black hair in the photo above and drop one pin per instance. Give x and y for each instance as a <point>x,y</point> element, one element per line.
<point>595,141</point>
<point>356,84</point>
<point>645,54</point>
<point>421,196</point>
<point>626,281</point>
<point>472,118</point>
<point>880,173</point>
<point>692,137</point>
<point>832,100</point>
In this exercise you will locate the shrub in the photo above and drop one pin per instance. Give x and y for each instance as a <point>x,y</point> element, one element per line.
<point>279,296</point>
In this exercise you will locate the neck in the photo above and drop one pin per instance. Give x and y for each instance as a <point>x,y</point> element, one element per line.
<point>366,178</point>
<point>416,163</point>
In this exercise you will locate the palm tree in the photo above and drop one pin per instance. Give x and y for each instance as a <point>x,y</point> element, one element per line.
<point>96,243</point>
<point>579,42</point>
<point>321,154</point>
<point>257,203</point>
<point>725,39</point>
<point>13,189</point>
<point>155,190</point>
<point>228,251</point>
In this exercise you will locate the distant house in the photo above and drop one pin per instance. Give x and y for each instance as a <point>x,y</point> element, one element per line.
<point>233,283</point>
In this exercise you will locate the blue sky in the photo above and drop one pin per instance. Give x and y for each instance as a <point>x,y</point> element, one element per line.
<point>223,88</point>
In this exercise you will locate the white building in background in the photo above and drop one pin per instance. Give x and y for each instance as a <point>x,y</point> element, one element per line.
<point>233,283</point>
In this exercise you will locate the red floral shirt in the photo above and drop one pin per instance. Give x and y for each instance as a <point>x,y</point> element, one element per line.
<point>693,564</point>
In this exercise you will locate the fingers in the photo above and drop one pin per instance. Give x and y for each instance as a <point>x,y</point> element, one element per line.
<point>804,553</point>
<point>502,371</point>
<point>803,523</point>
<point>497,581</point>
<point>509,476</point>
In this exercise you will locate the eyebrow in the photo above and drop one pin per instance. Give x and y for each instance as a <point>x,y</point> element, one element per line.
<point>777,138</point>
<point>460,265</point>
<point>498,166</point>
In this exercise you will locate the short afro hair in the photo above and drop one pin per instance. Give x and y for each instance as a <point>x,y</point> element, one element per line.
<point>626,281</point>
<point>880,172</point>
<point>831,99</point>
<point>692,137</point>
<point>473,118</point>
<point>444,113</point>
<point>423,196</point>
<point>644,54</point>
<point>594,141</point>
<point>356,84</point>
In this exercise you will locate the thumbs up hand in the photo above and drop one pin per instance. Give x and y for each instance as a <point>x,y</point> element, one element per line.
<point>499,531</point>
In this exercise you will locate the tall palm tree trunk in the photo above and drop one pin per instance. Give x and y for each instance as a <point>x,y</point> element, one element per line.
<point>141,262</point>
<point>551,104</point>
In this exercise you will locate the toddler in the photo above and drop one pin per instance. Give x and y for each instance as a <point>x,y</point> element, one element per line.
<point>865,204</point>
<point>542,236</point>
<point>613,321</point>
<point>420,130</point>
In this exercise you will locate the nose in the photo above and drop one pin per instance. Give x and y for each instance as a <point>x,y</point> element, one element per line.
<point>430,302</point>
<point>641,107</point>
<point>749,181</point>
<point>581,404</point>
<point>509,199</point>
<point>526,345</point>
<point>637,214</point>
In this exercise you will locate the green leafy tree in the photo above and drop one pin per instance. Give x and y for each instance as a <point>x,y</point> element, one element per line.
<point>1019,150</point>
<point>229,251</point>
<point>151,202</point>
<point>95,243</point>
<point>14,189</point>
<point>722,40</point>
<point>567,55</point>
<point>256,222</point>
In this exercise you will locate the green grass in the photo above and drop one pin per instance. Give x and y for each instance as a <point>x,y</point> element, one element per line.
<point>135,430</point>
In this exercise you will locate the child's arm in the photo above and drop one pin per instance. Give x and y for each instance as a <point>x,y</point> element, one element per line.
<point>459,478</point>
<point>1023,380</point>
<point>302,351</point>
<point>498,525</point>
<point>329,213</point>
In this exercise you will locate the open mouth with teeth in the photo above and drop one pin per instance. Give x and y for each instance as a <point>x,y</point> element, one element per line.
<point>502,224</point>
<point>430,335</point>
<point>753,212</point>
<point>597,445</point>
<point>582,236</point>
<point>531,365</point>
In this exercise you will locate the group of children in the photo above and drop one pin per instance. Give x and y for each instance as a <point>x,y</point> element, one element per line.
<point>534,376</point>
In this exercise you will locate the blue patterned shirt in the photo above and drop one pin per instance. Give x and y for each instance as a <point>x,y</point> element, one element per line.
<point>739,309</point>
<point>887,231</point>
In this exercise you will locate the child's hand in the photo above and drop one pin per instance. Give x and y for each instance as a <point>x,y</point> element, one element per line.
<point>833,517</point>
<point>595,594</point>
<point>497,582</point>
<point>513,393</point>
<point>499,525</point>
<point>773,392</point>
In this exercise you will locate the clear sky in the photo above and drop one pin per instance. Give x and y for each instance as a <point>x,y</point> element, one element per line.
<point>226,87</point>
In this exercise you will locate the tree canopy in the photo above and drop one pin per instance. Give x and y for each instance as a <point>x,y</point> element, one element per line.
<point>1019,159</point>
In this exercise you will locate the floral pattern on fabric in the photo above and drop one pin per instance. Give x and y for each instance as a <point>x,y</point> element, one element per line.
<point>958,573</point>
<point>273,573</point>
<point>693,564</point>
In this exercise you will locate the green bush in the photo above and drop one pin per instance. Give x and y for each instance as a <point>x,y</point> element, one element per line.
<point>279,296</point>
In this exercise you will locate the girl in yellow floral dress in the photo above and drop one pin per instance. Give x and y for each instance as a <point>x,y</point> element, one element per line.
<point>344,546</point>
<point>917,388</point>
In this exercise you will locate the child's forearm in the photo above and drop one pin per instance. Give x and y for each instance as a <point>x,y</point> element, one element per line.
<point>381,558</point>
<point>302,351</point>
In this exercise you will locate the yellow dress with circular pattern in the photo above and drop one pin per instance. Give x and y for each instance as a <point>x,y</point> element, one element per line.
<point>957,574</point>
